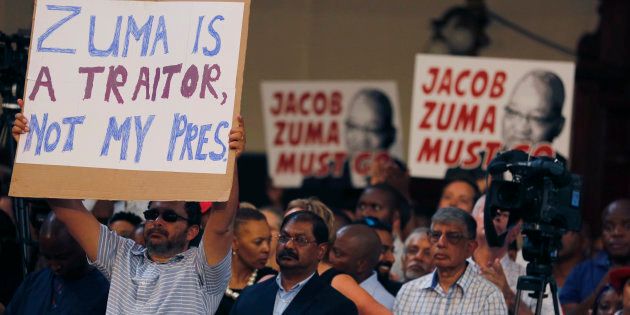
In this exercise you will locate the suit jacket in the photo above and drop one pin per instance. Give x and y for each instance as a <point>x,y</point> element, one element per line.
<point>315,298</point>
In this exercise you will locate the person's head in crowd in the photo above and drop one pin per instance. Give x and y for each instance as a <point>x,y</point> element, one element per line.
<point>384,232</point>
<point>314,205</point>
<point>416,259</point>
<point>385,203</point>
<point>575,244</point>
<point>275,195</point>
<point>274,220</point>
<point>38,212</point>
<point>459,193</point>
<point>356,251</point>
<point>124,223</point>
<point>252,238</point>
<point>620,280</point>
<point>341,219</point>
<point>138,234</point>
<point>62,253</point>
<point>534,111</point>
<point>616,231</point>
<point>170,226</point>
<point>453,238</point>
<point>607,302</point>
<point>482,253</point>
<point>369,122</point>
<point>302,243</point>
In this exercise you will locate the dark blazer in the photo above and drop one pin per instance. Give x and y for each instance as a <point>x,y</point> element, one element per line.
<point>316,297</point>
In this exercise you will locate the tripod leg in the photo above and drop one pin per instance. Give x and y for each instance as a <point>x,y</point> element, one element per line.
<point>554,295</point>
<point>518,300</point>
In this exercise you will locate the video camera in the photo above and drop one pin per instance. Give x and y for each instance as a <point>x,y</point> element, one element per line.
<point>541,193</point>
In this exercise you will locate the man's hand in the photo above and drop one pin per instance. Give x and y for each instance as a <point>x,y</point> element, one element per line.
<point>20,124</point>
<point>495,274</point>
<point>237,136</point>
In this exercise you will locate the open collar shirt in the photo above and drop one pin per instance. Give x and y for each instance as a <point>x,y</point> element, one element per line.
<point>470,294</point>
<point>186,284</point>
<point>284,297</point>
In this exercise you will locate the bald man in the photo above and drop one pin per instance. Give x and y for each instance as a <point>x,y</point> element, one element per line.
<point>534,111</point>
<point>69,285</point>
<point>356,252</point>
<point>588,278</point>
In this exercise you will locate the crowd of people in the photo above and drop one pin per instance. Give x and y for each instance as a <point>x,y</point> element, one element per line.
<point>309,257</point>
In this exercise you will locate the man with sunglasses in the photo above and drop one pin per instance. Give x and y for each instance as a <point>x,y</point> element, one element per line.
<point>298,288</point>
<point>166,276</point>
<point>454,287</point>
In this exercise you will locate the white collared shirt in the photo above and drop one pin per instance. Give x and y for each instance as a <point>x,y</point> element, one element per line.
<point>284,298</point>
<point>377,291</point>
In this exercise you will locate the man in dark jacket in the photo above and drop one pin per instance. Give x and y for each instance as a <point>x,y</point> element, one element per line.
<point>297,289</point>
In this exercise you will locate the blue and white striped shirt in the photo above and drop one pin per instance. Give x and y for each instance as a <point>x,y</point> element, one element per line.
<point>184,285</point>
<point>470,294</point>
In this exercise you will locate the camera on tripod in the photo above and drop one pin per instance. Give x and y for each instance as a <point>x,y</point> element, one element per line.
<point>545,197</point>
<point>541,193</point>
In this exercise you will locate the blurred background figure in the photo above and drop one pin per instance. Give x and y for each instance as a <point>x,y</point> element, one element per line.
<point>459,193</point>
<point>356,252</point>
<point>274,220</point>
<point>124,224</point>
<point>69,285</point>
<point>607,302</point>
<point>250,252</point>
<point>417,260</point>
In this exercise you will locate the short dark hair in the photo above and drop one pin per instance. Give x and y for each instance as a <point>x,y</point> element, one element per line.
<point>320,230</point>
<point>399,201</point>
<point>456,215</point>
<point>243,215</point>
<point>132,218</point>
<point>467,181</point>
<point>193,210</point>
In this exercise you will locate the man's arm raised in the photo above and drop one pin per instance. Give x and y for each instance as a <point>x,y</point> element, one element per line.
<point>82,225</point>
<point>218,233</point>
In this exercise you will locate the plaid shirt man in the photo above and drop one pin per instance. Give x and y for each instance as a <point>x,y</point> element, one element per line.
<point>470,294</point>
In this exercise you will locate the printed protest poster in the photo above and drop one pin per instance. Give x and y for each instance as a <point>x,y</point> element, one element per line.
<point>329,130</point>
<point>465,110</point>
<point>131,99</point>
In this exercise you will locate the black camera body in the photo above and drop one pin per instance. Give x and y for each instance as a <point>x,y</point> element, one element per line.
<point>541,193</point>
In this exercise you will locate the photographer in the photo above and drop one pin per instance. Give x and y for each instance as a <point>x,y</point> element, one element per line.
<point>498,268</point>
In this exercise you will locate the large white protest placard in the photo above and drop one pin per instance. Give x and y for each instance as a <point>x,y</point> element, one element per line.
<point>329,130</point>
<point>465,110</point>
<point>132,85</point>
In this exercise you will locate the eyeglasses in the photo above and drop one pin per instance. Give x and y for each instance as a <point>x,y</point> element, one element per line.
<point>453,238</point>
<point>513,114</point>
<point>299,240</point>
<point>167,215</point>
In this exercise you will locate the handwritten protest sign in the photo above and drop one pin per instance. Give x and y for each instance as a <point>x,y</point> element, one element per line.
<point>131,99</point>
<point>329,130</point>
<point>465,110</point>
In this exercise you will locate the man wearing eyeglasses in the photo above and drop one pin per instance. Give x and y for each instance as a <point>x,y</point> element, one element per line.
<point>454,287</point>
<point>166,277</point>
<point>534,111</point>
<point>298,289</point>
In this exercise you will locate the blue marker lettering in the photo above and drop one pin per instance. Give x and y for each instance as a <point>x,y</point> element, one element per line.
<point>219,156</point>
<point>113,48</point>
<point>216,36</point>
<point>73,121</point>
<point>118,133</point>
<point>176,132</point>
<point>40,40</point>
<point>144,32</point>
<point>202,140</point>
<point>141,133</point>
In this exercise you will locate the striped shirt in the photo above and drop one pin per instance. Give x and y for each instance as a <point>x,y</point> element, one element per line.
<point>184,285</point>
<point>470,294</point>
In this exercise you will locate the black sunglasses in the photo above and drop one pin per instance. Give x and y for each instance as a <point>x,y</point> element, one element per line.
<point>167,215</point>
